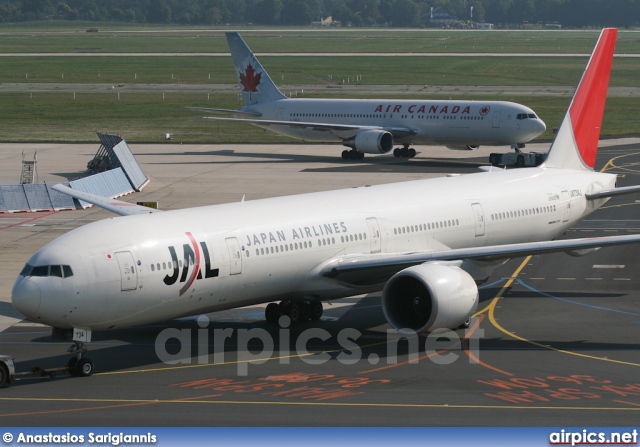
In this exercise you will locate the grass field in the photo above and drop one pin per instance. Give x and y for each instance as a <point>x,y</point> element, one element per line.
<point>401,70</point>
<point>154,39</point>
<point>146,117</point>
<point>314,70</point>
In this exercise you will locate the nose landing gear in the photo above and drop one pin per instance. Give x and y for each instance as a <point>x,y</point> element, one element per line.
<point>79,365</point>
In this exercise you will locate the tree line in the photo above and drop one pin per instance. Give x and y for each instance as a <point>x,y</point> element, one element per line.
<point>397,13</point>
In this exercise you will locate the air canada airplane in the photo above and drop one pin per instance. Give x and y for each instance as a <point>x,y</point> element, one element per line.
<point>426,251</point>
<point>373,126</point>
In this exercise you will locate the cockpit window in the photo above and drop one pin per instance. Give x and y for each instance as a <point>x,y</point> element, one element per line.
<point>40,270</point>
<point>60,271</point>
<point>524,116</point>
<point>26,271</point>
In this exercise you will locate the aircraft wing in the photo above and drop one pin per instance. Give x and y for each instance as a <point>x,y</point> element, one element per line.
<point>109,204</point>
<point>229,111</point>
<point>396,131</point>
<point>353,269</point>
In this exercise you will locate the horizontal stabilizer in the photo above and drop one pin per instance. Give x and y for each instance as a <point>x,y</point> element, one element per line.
<point>225,111</point>
<point>115,206</point>
<point>613,192</point>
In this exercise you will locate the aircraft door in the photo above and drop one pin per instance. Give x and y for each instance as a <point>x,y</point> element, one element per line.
<point>479,217</point>
<point>566,203</point>
<point>235,256</point>
<point>128,270</point>
<point>374,232</point>
<point>496,119</point>
<point>280,114</point>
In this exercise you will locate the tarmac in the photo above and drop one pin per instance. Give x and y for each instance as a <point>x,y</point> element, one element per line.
<point>555,342</point>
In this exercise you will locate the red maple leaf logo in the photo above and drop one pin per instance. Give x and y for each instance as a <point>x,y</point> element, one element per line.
<point>484,110</point>
<point>250,80</point>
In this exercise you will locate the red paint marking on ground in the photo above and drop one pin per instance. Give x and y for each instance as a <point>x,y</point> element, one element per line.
<point>39,216</point>
<point>472,356</point>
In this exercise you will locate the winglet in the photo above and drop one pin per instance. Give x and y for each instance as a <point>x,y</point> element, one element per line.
<point>255,84</point>
<point>576,145</point>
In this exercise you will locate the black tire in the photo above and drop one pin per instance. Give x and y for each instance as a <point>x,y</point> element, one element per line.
<point>412,153</point>
<point>520,160</point>
<point>4,375</point>
<point>305,311</point>
<point>84,368</point>
<point>295,313</point>
<point>316,309</point>
<point>272,313</point>
<point>345,155</point>
<point>71,365</point>
<point>404,152</point>
<point>396,152</point>
<point>360,155</point>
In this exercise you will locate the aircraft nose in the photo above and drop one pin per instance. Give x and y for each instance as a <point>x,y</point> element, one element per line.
<point>26,296</point>
<point>540,126</point>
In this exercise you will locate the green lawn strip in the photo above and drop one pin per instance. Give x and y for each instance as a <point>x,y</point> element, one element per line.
<point>123,39</point>
<point>493,71</point>
<point>146,117</point>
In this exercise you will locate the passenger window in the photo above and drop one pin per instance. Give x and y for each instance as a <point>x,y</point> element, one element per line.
<point>67,271</point>
<point>56,270</point>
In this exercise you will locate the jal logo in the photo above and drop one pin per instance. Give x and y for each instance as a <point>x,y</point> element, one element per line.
<point>194,255</point>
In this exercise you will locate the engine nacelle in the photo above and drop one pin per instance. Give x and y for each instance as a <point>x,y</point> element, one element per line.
<point>371,142</point>
<point>463,147</point>
<point>429,296</point>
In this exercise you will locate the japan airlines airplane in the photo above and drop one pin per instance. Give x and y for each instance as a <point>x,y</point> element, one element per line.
<point>426,251</point>
<point>373,126</point>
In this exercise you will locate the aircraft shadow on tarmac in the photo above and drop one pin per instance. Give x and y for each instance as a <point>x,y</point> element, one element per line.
<point>136,348</point>
<point>491,292</point>
<point>369,164</point>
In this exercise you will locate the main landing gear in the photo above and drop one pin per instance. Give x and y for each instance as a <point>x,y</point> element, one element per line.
<point>352,155</point>
<point>404,152</point>
<point>298,311</point>
<point>79,365</point>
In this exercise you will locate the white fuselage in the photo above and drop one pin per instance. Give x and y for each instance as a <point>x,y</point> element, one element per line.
<point>132,270</point>
<point>432,122</point>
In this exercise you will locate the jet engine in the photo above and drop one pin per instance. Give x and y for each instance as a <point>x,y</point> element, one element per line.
<point>429,296</point>
<point>463,147</point>
<point>371,142</point>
